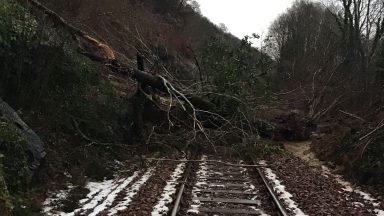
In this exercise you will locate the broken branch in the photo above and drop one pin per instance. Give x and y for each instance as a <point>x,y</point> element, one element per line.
<point>206,161</point>
<point>352,115</point>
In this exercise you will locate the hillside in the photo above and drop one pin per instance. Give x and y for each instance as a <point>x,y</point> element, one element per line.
<point>86,114</point>
<point>132,107</point>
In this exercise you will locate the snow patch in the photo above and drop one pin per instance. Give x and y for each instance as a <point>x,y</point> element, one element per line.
<point>112,195</point>
<point>379,212</point>
<point>101,195</point>
<point>131,192</point>
<point>169,190</point>
<point>284,195</point>
<point>202,175</point>
<point>98,191</point>
<point>262,163</point>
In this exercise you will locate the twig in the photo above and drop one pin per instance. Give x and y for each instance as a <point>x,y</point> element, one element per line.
<point>352,115</point>
<point>81,132</point>
<point>365,147</point>
<point>150,135</point>
<point>372,132</point>
<point>326,110</point>
<point>206,161</point>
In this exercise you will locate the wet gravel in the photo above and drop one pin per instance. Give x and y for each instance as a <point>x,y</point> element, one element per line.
<point>315,193</point>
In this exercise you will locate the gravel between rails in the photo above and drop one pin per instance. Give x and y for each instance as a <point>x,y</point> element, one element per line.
<point>202,179</point>
<point>316,193</point>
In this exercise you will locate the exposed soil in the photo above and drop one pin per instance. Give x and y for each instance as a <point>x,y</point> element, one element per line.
<point>304,152</point>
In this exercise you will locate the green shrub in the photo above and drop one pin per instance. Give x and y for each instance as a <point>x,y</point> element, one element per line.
<point>260,151</point>
<point>257,149</point>
<point>41,72</point>
<point>235,71</point>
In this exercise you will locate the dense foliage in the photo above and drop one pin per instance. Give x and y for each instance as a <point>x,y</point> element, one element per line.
<point>235,71</point>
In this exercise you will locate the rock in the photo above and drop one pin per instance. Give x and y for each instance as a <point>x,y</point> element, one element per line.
<point>285,125</point>
<point>35,144</point>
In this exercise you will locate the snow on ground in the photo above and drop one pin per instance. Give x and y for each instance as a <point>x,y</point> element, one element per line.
<point>347,186</point>
<point>201,176</point>
<point>379,212</point>
<point>98,192</point>
<point>169,190</point>
<point>100,196</point>
<point>131,192</point>
<point>112,195</point>
<point>283,194</point>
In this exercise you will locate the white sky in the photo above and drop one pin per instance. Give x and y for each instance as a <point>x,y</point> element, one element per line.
<point>244,17</point>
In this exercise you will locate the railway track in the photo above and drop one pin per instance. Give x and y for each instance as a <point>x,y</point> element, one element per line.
<point>212,185</point>
<point>220,189</point>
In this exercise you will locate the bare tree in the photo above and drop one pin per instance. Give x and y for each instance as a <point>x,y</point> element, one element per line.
<point>306,38</point>
<point>361,23</point>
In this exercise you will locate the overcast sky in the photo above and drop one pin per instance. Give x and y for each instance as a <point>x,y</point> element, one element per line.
<point>244,17</point>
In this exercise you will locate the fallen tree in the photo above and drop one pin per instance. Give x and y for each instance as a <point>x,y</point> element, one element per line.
<point>162,85</point>
<point>143,77</point>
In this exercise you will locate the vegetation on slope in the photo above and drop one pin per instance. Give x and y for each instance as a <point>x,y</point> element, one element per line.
<point>331,67</point>
<point>65,97</point>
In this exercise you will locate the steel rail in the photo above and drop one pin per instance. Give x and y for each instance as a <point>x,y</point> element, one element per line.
<point>280,207</point>
<point>271,191</point>
<point>187,172</point>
